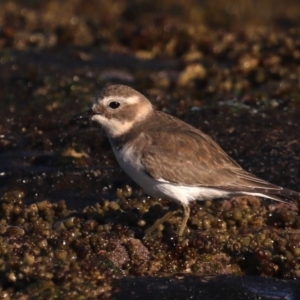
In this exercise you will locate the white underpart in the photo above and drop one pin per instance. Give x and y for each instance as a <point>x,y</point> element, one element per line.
<point>131,164</point>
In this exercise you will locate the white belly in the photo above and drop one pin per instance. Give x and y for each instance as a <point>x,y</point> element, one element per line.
<point>130,162</point>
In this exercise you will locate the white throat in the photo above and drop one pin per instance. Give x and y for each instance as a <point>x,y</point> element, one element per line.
<point>113,127</point>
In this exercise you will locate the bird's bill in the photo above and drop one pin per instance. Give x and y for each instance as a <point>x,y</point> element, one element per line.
<point>84,115</point>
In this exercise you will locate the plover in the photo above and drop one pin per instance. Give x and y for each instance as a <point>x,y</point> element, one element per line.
<point>169,158</point>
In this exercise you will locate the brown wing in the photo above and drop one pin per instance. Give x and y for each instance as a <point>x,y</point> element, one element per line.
<point>190,157</point>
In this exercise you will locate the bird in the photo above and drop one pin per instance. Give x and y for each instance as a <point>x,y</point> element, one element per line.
<point>169,158</point>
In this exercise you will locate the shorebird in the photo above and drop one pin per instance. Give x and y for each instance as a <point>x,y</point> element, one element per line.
<point>169,158</point>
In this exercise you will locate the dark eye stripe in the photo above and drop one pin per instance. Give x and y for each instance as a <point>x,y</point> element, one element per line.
<point>114,104</point>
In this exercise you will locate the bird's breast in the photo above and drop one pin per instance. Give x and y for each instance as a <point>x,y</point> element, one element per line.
<point>129,160</point>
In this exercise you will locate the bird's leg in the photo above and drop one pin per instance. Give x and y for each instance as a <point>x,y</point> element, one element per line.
<point>167,216</point>
<point>186,215</point>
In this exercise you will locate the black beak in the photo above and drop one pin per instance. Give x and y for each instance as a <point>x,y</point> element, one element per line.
<point>83,116</point>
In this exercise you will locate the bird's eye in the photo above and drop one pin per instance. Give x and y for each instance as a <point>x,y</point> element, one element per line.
<point>114,104</point>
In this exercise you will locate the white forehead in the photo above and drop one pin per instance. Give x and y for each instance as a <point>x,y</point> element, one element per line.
<point>107,99</point>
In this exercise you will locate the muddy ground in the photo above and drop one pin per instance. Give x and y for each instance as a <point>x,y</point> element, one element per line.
<point>72,222</point>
